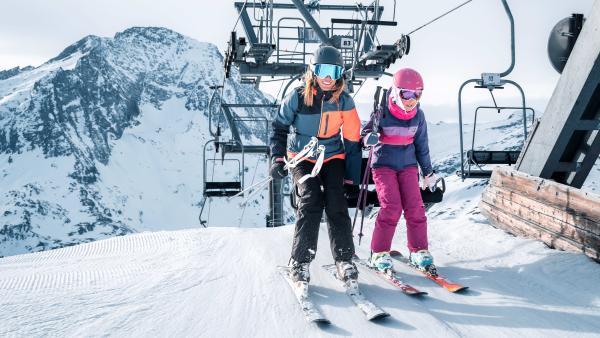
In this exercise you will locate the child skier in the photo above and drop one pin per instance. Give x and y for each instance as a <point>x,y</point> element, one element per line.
<point>320,108</point>
<point>400,143</point>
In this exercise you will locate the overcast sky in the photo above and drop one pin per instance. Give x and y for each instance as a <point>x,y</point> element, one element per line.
<point>458,47</point>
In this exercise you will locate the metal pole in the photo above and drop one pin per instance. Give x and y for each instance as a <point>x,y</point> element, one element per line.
<point>311,22</point>
<point>524,106</point>
<point>275,203</point>
<point>512,39</point>
<point>460,125</point>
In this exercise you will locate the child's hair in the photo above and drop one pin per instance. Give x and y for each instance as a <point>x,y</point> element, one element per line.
<point>310,84</point>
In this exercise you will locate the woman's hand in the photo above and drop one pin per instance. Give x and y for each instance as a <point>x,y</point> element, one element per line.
<point>278,170</point>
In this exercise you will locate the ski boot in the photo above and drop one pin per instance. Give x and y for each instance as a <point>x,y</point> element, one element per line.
<point>381,261</point>
<point>346,271</point>
<point>299,272</point>
<point>423,261</point>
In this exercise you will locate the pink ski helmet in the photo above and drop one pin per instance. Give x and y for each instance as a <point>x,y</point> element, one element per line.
<point>406,82</point>
<point>407,78</point>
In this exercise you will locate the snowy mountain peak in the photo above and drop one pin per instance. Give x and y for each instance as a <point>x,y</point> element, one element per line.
<point>82,47</point>
<point>159,35</point>
<point>60,123</point>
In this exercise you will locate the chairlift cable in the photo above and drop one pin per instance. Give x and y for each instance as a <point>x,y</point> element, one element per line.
<point>439,17</point>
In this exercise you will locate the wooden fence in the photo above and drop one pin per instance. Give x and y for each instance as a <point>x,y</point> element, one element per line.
<point>561,216</point>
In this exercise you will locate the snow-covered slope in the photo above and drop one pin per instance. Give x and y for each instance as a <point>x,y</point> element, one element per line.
<point>79,169</point>
<point>106,139</point>
<point>223,282</point>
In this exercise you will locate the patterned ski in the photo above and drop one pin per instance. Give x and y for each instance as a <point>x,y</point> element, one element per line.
<point>368,308</point>
<point>437,278</point>
<point>391,278</point>
<point>308,307</point>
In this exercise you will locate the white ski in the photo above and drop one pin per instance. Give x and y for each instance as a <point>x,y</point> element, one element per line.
<point>369,309</point>
<point>309,309</point>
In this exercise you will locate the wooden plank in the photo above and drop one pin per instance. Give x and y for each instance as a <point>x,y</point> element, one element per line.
<point>559,216</point>
<point>541,220</point>
<point>578,202</point>
<point>521,227</point>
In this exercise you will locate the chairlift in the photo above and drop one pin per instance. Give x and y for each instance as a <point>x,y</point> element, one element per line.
<point>476,159</point>
<point>490,82</point>
<point>220,188</point>
<point>233,186</point>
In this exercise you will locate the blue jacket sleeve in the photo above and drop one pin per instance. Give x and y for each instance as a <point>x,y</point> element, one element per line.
<point>421,143</point>
<point>351,131</point>
<point>281,125</point>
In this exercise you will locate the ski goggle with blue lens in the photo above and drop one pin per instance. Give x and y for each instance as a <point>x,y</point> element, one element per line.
<point>324,70</point>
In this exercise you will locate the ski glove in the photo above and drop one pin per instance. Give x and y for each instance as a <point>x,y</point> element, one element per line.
<point>430,181</point>
<point>370,140</point>
<point>278,170</point>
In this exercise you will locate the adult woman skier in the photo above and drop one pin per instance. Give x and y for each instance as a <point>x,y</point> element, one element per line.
<point>401,143</point>
<point>320,108</point>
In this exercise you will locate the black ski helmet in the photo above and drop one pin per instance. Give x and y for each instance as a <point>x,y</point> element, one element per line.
<point>327,55</point>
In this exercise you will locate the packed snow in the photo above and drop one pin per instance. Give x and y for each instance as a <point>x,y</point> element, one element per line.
<point>224,282</point>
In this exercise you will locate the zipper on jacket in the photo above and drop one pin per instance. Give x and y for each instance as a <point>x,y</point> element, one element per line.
<point>320,116</point>
<point>326,125</point>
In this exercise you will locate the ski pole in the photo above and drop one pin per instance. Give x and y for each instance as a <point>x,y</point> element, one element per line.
<point>307,151</point>
<point>363,186</point>
<point>254,193</point>
<point>364,197</point>
<point>261,183</point>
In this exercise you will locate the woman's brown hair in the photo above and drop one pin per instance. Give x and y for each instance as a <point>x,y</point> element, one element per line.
<point>310,84</point>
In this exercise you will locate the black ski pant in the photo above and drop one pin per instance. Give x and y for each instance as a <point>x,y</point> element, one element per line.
<point>323,191</point>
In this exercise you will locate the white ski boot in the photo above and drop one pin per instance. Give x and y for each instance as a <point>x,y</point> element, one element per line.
<point>423,260</point>
<point>299,272</point>
<point>381,261</point>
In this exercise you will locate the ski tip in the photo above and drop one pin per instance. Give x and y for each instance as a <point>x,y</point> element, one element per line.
<point>417,293</point>
<point>395,253</point>
<point>320,321</point>
<point>458,289</point>
<point>378,316</point>
<point>283,269</point>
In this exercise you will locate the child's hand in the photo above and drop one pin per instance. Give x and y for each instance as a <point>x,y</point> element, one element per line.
<point>371,139</point>
<point>430,181</point>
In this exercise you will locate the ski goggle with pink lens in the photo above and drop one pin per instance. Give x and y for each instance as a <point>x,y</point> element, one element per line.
<point>324,70</point>
<point>406,94</point>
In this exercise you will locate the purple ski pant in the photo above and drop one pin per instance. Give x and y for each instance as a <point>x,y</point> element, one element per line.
<point>398,191</point>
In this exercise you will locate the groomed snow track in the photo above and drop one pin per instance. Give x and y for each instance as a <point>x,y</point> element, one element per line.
<point>224,282</point>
